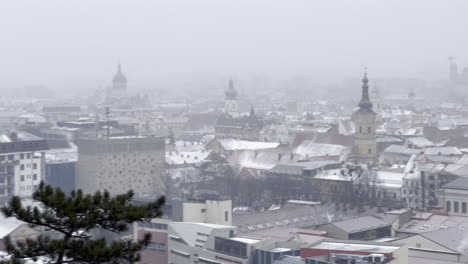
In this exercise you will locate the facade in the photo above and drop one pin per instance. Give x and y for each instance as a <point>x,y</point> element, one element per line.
<point>157,250</point>
<point>365,143</point>
<point>22,164</point>
<point>120,164</point>
<point>207,211</point>
<point>453,197</point>
<point>275,133</point>
<point>242,127</point>
<point>230,103</point>
<point>61,174</point>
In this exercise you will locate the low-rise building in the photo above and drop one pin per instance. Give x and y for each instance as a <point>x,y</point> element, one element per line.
<point>361,228</point>
<point>453,197</point>
<point>16,230</point>
<point>209,244</point>
<point>343,251</point>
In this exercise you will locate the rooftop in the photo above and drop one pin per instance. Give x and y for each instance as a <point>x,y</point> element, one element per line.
<point>460,184</point>
<point>354,246</point>
<point>235,144</point>
<point>360,224</point>
<point>17,136</point>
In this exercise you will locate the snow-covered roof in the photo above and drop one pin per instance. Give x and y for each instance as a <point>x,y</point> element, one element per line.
<point>186,157</point>
<point>335,175</point>
<point>62,155</point>
<point>310,149</point>
<point>388,179</point>
<point>8,225</point>
<point>190,232</point>
<point>235,144</point>
<point>419,142</point>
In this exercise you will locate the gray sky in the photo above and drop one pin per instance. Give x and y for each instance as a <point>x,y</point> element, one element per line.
<point>77,43</point>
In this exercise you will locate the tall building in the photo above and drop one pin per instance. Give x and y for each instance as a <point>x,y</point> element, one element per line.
<point>22,164</point>
<point>458,79</point>
<point>119,164</point>
<point>365,146</point>
<point>230,104</point>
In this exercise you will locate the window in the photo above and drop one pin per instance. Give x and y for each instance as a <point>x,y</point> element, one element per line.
<point>369,129</point>
<point>360,130</point>
<point>11,157</point>
<point>22,178</point>
<point>448,206</point>
<point>226,216</point>
<point>418,245</point>
<point>369,151</point>
<point>455,207</point>
<point>155,246</point>
<point>203,210</point>
<point>22,167</point>
<point>22,156</point>
<point>35,166</point>
<point>28,155</point>
<point>35,177</point>
<point>464,207</point>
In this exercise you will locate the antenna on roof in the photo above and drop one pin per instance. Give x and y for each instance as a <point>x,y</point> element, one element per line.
<point>107,111</point>
<point>97,124</point>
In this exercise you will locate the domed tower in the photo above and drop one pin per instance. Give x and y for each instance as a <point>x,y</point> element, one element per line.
<point>365,145</point>
<point>119,84</point>
<point>230,104</point>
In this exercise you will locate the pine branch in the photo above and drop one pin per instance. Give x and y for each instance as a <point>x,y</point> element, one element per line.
<point>74,216</point>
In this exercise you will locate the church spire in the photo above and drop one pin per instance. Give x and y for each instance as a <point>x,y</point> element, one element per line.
<point>231,92</point>
<point>252,111</point>
<point>365,104</point>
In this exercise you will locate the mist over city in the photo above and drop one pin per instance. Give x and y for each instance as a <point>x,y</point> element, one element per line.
<point>233,132</point>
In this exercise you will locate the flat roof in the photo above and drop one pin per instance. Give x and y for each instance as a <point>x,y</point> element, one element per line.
<point>245,240</point>
<point>349,246</point>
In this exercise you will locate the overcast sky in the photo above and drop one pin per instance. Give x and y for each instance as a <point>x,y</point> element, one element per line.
<point>77,43</point>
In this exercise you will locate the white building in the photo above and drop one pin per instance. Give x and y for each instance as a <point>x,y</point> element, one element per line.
<point>209,244</point>
<point>203,210</point>
<point>22,164</point>
<point>275,133</point>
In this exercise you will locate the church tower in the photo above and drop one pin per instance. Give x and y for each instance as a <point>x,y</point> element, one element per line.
<point>119,84</point>
<point>365,146</point>
<point>230,104</point>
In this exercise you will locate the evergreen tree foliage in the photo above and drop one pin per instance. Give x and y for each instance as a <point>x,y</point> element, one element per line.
<point>72,218</point>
